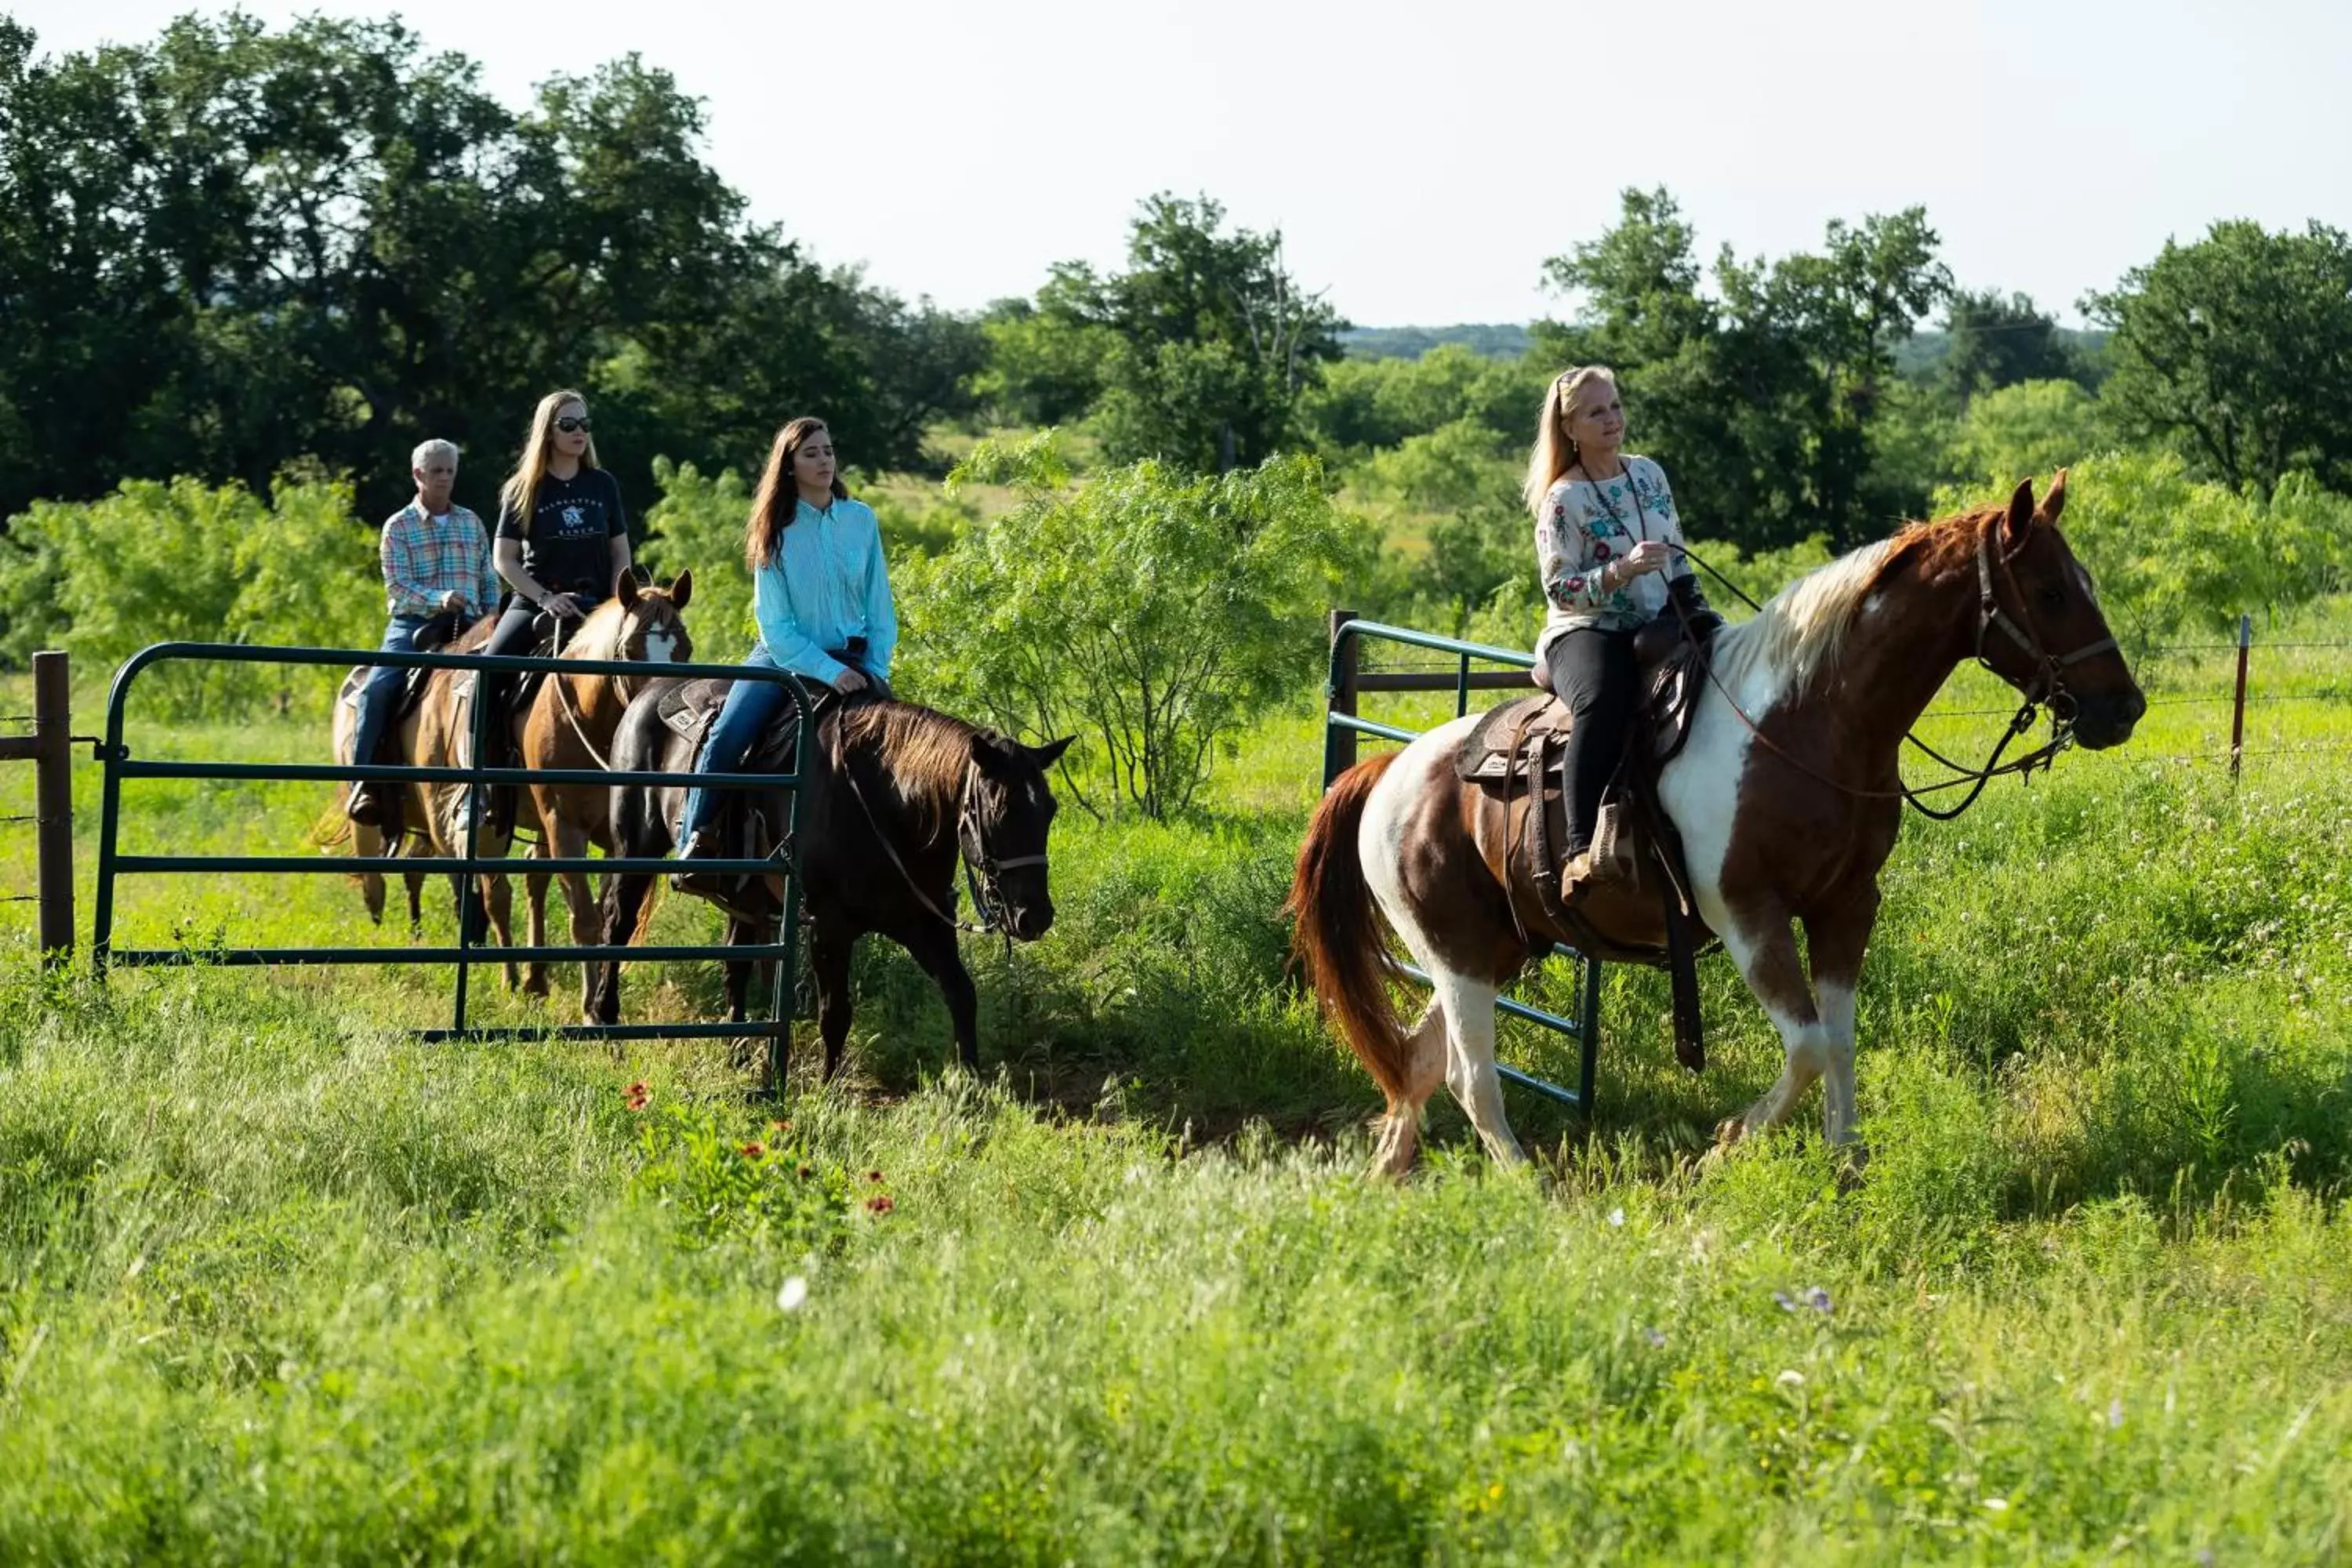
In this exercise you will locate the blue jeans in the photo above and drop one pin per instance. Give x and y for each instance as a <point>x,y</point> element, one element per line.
<point>382,692</point>
<point>750,707</point>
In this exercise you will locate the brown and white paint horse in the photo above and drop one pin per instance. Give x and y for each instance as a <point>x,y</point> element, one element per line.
<point>570,725</point>
<point>1787,798</point>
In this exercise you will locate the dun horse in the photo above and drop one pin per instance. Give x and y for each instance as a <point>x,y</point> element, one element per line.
<point>1787,798</point>
<point>570,725</point>
<point>894,794</point>
<point>435,733</point>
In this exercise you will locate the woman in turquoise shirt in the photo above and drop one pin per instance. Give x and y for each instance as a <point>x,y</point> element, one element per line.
<point>821,598</point>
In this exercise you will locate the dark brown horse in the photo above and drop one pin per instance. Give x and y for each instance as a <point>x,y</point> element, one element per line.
<point>1786,795</point>
<point>896,795</point>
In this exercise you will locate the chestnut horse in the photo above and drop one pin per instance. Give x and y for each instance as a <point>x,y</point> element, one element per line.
<point>570,725</point>
<point>1787,798</point>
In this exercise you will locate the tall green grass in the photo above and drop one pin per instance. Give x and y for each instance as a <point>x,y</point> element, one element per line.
<point>277,1284</point>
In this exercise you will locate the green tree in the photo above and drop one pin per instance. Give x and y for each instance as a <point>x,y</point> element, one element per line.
<point>235,246</point>
<point>1993,341</point>
<point>1761,397</point>
<point>1202,350</point>
<point>1156,613</point>
<point>2028,431</point>
<point>155,563</point>
<point>2238,349</point>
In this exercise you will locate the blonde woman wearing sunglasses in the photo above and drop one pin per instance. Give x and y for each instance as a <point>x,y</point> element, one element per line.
<point>563,541</point>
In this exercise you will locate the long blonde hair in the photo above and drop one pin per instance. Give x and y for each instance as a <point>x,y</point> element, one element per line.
<point>522,485</point>
<point>1554,453</point>
<point>777,500</point>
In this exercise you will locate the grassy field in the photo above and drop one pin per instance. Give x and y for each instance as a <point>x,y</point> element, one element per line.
<point>277,1284</point>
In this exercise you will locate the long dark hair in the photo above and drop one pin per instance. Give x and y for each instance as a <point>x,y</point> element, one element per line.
<point>778,499</point>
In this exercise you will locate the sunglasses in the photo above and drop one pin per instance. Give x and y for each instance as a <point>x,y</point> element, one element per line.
<point>569,424</point>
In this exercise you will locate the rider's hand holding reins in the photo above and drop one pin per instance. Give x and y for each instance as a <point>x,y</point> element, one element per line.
<point>849,681</point>
<point>1650,556</point>
<point>563,606</point>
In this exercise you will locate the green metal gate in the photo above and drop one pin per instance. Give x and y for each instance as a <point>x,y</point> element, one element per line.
<point>121,767</point>
<point>1342,724</point>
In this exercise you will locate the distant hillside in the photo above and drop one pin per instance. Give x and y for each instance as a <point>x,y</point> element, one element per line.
<point>1495,340</point>
<point>1921,355</point>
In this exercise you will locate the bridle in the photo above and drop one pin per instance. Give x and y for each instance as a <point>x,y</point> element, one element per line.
<point>2047,689</point>
<point>619,685</point>
<point>2049,686</point>
<point>983,872</point>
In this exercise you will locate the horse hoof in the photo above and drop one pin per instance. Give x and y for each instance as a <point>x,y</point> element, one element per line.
<point>1729,1132</point>
<point>1854,1164</point>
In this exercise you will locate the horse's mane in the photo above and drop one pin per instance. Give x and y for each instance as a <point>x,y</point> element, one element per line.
<point>1801,630</point>
<point>923,753</point>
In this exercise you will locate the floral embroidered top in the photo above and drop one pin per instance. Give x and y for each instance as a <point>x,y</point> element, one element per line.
<point>1583,526</point>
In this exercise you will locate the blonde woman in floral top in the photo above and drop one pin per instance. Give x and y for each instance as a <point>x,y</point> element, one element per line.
<point>1607,541</point>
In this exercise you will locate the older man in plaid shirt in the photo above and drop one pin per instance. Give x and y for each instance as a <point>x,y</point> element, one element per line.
<point>436,562</point>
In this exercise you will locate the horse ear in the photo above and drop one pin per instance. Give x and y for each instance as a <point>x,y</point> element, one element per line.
<point>681,589</point>
<point>624,588</point>
<point>2055,501</point>
<point>1046,755</point>
<point>2020,523</point>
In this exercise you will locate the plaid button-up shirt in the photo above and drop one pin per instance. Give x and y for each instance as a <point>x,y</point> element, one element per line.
<point>425,558</point>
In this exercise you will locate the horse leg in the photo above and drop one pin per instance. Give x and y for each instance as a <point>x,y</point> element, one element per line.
<point>1835,943</point>
<point>740,934</point>
<point>565,840</point>
<point>1766,951</point>
<point>829,949</point>
<point>1468,1004</point>
<point>1400,1134</point>
<point>366,840</point>
<point>625,902</point>
<point>415,905</point>
<point>499,891</point>
<point>534,893</point>
<point>935,948</point>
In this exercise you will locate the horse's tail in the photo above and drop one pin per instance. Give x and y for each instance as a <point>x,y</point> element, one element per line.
<point>1338,933</point>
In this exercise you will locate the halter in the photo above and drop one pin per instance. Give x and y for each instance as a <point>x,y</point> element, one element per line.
<point>620,689</point>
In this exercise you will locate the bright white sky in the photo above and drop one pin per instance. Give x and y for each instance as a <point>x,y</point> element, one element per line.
<point>1423,161</point>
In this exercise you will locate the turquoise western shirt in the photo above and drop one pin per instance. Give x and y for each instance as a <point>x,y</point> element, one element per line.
<point>825,585</point>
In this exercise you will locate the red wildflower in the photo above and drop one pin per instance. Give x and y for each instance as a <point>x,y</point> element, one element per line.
<point>873,1175</point>
<point>637,1095</point>
<point>879,1204</point>
<point>805,1171</point>
<point>784,1126</point>
<point>755,1149</point>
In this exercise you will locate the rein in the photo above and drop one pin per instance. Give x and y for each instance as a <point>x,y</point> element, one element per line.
<point>987,896</point>
<point>563,682</point>
<point>1990,613</point>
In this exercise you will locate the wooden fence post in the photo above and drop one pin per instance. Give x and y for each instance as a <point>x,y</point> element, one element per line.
<point>2238,709</point>
<point>53,790</point>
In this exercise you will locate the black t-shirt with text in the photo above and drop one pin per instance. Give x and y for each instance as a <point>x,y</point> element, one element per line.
<point>564,547</point>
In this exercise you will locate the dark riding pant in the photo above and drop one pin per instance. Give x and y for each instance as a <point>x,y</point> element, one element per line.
<point>1592,673</point>
<point>381,694</point>
<point>750,707</point>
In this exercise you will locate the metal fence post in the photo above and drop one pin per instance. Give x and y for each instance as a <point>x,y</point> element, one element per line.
<point>1340,743</point>
<point>53,785</point>
<point>2237,708</point>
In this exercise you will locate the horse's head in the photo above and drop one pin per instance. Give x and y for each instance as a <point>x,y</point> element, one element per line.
<point>2039,624</point>
<point>652,630</point>
<point>1008,809</point>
